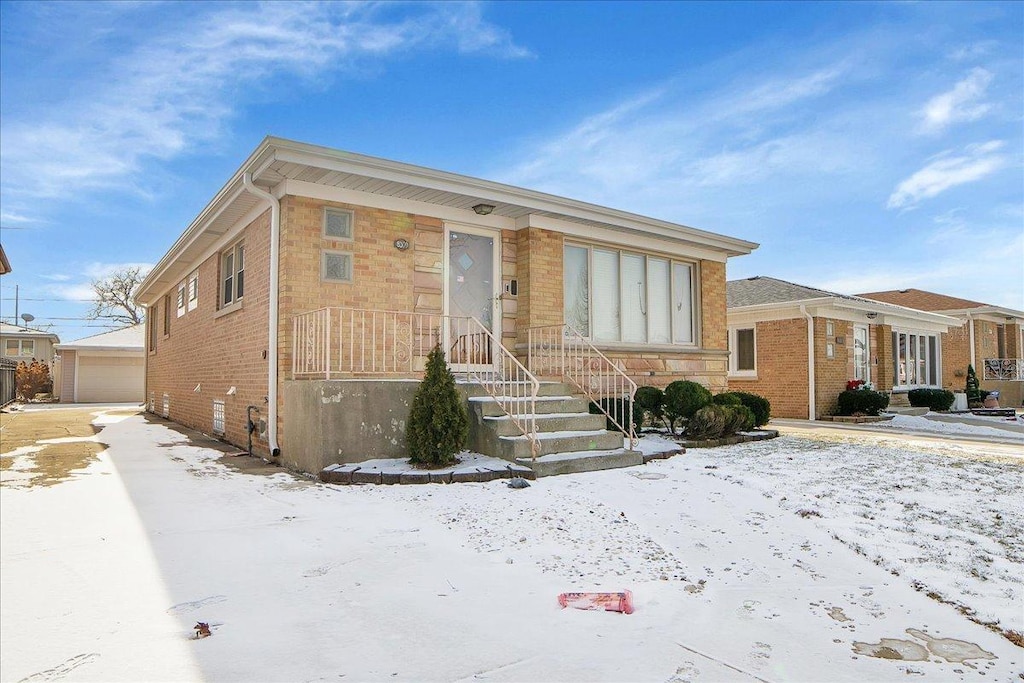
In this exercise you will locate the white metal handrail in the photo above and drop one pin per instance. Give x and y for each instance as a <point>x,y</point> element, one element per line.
<point>342,342</point>
<point>560,351</point>
<point>1011,369</point>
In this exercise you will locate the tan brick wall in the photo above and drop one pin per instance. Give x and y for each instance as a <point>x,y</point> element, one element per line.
<point>831,374</point>
<point>985,343</point>
<point>539,266</point>
<point>1013,347</point>
<point>216,353</point>
<point>781,367</point>
<point>714,328</point>
<point>881,357</point>
<point>956,356</point>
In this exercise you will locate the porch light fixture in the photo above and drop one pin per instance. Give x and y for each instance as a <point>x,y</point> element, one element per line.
<point>872,315</point>
<point>483,209</point>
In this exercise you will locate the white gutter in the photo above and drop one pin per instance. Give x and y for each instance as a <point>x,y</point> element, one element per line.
<point>811,407</point>
<point>970,332</point>
<point>272,316</point>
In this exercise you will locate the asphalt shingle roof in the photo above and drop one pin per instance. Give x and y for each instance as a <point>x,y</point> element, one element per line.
<point>758,290</point>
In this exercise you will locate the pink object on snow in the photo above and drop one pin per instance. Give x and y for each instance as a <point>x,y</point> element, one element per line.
<point>609,602</point>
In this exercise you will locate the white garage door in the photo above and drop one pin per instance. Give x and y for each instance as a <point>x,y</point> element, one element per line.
<point>110,379</point>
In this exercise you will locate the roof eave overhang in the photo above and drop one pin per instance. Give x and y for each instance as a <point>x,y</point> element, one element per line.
<point>878,314</point>
<point>272,149</point>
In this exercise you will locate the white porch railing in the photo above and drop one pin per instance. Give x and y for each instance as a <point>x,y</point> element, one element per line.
<point>1004,369</point>
<point>560,351</point>
<point>344,342</point>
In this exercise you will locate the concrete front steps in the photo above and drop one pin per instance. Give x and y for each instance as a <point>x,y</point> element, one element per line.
<point>571,439</point>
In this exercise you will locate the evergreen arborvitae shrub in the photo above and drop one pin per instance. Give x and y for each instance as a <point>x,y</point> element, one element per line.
<point>726,398</point>
<point>975,394</point>
<point>862,401</point>
<point>651,401</point>
<point>683,399</point>
<point>708,423</point>
<point>438,425</point>
<point>740,419</point>
<point>932,399</point>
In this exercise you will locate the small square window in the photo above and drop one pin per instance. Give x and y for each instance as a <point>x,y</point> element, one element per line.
<point>338,224</point>
<point>337,266</point>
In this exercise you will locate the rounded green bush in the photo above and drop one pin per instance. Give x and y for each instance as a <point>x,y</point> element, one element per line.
<point>862,401</point>
<point>708,423</point>
<point>727,399</point>
<point>741,419</point>
<point>651,400</point>
<point>933,399</point>
<point>683,399</point>
<point>759,405</point>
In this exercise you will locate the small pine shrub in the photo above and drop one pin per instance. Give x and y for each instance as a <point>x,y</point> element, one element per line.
<point>683,399</point>
<point>708,423</point>
<point>31,379</point>
<point>438,425</point>
<point>616,407</point>
<point>862,402</point>
<point>651,401</point>
<point>975,394</point>
<point>759,405</point>
<point>726,398</point>
<point>933,399</point>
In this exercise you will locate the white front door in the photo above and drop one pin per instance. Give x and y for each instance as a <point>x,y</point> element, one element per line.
<point>472,288</point>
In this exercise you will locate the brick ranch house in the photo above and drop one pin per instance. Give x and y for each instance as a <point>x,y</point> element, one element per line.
<point>798,346</point>
<point>309,290</point>
<point>991,339</point>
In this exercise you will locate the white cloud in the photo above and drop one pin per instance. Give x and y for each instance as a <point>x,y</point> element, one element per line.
<point>14,217</point>
<point>947,171</point>
<point>958,105</point>
<point>176,91</point>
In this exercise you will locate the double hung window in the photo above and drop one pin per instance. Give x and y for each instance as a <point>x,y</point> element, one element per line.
<point>232,274</point>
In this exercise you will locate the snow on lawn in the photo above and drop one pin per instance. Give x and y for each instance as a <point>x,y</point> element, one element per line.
<point>106,573</point>
<point>951,525</point>
<point>975,426</point>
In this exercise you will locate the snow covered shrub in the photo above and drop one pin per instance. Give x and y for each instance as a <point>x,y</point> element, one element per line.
<point>862,402</point>
<point>651,401</point>
<point>759,405</point>
<point>932,399</point>
<point>438,425</point>
<point>726,399</point>
<point>31,379</point>
<point>683,399</point>
<point>708,423</point>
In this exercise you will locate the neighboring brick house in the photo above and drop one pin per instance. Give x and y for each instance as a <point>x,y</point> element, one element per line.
<point>771,323</point>
<point>312,266</point>
<point>991,339</point>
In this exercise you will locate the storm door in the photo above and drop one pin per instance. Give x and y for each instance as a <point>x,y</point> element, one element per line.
<point>473,272</point>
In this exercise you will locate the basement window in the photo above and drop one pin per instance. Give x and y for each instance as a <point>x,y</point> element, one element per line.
<point>167,405</point>
<point>218,417</point>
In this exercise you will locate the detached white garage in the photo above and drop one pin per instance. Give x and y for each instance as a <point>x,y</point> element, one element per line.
<point>104,368</point>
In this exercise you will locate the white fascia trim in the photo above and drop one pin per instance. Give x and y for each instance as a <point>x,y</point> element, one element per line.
<point>346,162</point>
<point>842,309</point>
<point>990,314</point>
<point>622,238</point>
<point>328,193</point>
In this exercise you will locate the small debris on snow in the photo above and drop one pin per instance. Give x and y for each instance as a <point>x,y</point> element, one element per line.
<point>202,630</point>
<point>518,483</point>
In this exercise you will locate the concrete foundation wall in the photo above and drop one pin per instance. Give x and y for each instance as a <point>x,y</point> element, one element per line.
<point>344,421</point>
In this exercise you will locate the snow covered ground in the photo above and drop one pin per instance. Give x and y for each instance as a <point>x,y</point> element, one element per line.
<point>731,553</point>
<point>999,427</point>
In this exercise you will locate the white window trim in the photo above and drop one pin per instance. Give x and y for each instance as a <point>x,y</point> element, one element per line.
<point>672,262</point>
<point>21,346</point>
<point>351,266</point>
<point>236,300</point>
<point>192,291</point>
<point>734,352</point>
<point>938,360</point>
<point>867,351</point>
<point>351,224</point>
<point>181,299</point>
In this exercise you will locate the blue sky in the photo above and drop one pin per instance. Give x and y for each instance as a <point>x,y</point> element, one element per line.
<point>866,146</point>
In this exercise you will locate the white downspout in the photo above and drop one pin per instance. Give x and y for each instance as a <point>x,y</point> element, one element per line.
<point>275,258</point>
<point>811,407</point>
<point>970,332</point>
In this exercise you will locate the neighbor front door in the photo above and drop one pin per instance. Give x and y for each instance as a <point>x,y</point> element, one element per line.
<point>472,279</point>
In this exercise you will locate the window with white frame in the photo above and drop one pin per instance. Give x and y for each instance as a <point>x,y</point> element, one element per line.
<point>193,291</point>
<point>338,224</point>
<point>861,353</point>
<point>218,417</point>
<point>336,266</point>
<point>232,274</point>
<point>619,296</point>
<point>916,359</point>
<point>742,351</point>
<point>20,347</point>
<point>181,299</point>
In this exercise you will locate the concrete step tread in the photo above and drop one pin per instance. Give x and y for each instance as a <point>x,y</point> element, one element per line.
<point>558,435</point>
<point>489,399</point>
<point>572,455</point>
<point>538,416</point>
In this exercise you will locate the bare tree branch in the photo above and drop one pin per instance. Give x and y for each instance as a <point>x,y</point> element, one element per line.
<point>114,297</point>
